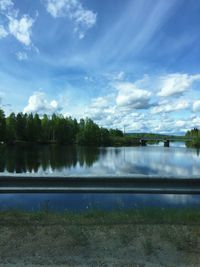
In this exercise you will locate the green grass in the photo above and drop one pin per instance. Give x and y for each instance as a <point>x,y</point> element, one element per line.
<point>131,216</point>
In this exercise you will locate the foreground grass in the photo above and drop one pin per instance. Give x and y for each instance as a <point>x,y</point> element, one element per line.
<point>149,237</point>
<point>130,216</point>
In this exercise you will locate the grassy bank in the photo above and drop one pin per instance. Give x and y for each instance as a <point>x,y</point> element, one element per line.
<point>134,238</point>
<point>131,216</point>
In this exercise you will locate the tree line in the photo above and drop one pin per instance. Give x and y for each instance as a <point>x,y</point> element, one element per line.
<point>194,134</point>
<point>55,129</point>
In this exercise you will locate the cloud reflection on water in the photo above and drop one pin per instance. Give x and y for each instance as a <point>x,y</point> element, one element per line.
<point>80,161</point>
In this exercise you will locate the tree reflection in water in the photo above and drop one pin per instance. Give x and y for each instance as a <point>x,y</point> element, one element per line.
<point>29,158</point>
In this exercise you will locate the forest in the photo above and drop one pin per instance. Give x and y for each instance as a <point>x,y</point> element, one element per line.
<point>194,134</point>
<point>18,128</point>
<point>57,129</point>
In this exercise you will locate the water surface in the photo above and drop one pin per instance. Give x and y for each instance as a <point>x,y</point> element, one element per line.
<point>176,160</point>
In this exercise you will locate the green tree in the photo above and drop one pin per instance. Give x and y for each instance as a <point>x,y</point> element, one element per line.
<point>11,128</point>
<point>21,121</point>
<point>2,126</point>
<point>75,129</point>
<point>194,134</point>
<point>30,128</point>
<point>45,129</point>
<point>53,124</point>
<point>37,127</point>
<point>63,131</point>
<point>116,133</point>
<point>105,137</point>
<point>89,133</point>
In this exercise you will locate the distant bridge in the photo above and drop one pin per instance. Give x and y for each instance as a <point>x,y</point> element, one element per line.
<point>165,140</point>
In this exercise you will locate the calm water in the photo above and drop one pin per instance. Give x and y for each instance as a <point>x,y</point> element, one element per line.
<point>176,160</point>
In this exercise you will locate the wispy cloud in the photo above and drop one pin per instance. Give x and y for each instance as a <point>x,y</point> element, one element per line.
<point>115,76</point>
<point>132,32</point>
<point>5,5</point>
<point>3,32</point>
<point>82,18</point>
<point>21,29</point>
<point>21,56</point>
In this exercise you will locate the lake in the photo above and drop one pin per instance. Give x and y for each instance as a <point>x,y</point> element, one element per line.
<point>51,160</point>
<point>156,160</point>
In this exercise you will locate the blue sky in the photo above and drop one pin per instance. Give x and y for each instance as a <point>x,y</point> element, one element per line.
<point>133,63</point>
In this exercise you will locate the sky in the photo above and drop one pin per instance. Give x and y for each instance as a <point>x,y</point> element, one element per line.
<point>126,64</point>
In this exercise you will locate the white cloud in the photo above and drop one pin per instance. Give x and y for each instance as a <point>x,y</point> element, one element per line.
<point>54,105</point>
<point>166,125</point>
<point>166,106</point>
<point>176,84</point>
<point>100,102</point>
<point>3,32</point>
<point>117,76</point>
<point>100,109</point>
<point>196,106</point>
<point>106,113</point>
<point>57,7</point>
<point>137,106</point>
<point>21,28</point>
<point>21,56</point>
<point>130,96</point>
<point>38,103</point>
<point>5,4</point>
<point>82,18</point>
<point>180,123</point>
<point>195,122</point>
